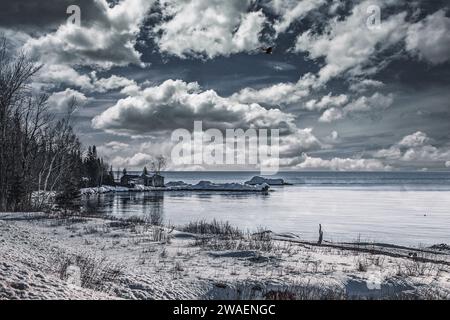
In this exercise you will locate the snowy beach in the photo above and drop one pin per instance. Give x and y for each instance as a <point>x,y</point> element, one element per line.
<point>380,241</point>
<point>131,259</point>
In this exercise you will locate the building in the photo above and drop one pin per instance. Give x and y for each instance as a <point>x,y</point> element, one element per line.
<point>148,180</point>
<point>129,180</point>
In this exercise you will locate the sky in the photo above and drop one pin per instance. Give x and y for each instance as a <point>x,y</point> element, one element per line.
<point>348,91</point>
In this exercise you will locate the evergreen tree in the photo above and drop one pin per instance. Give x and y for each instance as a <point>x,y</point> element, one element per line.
<point>69,198</point>
<point>109,178</point>
<point>145,171</point>
<point>93,167</point>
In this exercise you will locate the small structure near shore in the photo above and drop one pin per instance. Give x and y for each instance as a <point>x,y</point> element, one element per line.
<point>147,180</point>
<point>151,180</point>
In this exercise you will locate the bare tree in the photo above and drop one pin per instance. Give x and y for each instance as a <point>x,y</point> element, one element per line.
<point>159,163</point>
<point>36,152</point>
<point>58,157</point>
<point>21,119</point>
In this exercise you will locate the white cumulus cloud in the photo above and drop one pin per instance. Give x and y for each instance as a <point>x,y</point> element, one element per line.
<point>430,38</point>
<point>327,101</point>
<point>347,45</point>
<point>60,101</point>
<point>363,104</point>
<point>278,94</point>
<point>110,42</point>
<point>290,11</point>
<point>415,147</point>
<point>208,28</point>
<point>174,103</point>
<point>342,164</point>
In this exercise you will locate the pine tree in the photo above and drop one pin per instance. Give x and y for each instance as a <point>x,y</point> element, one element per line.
<point>69,198</point>
<point>94,152</point>
<point>94,167</point>
<point>109,177</point>
<point>145,171</point>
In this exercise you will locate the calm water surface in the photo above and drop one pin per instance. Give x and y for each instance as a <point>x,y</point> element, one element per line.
<point>402,208</point>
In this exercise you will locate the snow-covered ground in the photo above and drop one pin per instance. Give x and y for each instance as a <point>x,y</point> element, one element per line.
<point>94,258</point>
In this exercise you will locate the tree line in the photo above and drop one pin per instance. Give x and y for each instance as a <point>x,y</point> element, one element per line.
<point>42,163</point>
<point>41,158</point>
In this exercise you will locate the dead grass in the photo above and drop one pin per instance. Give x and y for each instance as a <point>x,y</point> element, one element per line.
<point>215,227</point>
<point>87,270</point>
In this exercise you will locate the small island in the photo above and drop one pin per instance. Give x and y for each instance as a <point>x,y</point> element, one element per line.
<point>271,182</point>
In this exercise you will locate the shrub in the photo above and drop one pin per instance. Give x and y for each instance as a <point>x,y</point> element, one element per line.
<point>94,273</point>
<point>212,228</point>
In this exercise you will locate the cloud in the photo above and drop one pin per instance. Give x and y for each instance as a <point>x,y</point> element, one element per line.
<point>391,153</point>
<point>138,160</point>
<point>334,136</point>
<point>290,11</point>
<point>331,115</point>
<point>107,43</point>
<point>447,164</point>
<point>426,153</point>
<point>342,164</point>
<point>326,102</point>
<point>44,15</point>
<point>364,104</point>
<point>429,39</point>
<point>116,145</point>
<point>208,28</point>
<point>299,141</point>
<point>414,140</point>
<point>348,45</point>
<point>176,104</point>
<point>362,85</point>
<point>377,101</point>
<point>415,148</point>
<point>60,101</point>
<point>278,94</point>
<point>280,66</point>
<point>52,75</point>
<point>112,83</point>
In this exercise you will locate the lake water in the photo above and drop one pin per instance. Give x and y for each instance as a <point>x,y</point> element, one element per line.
<point>408,208</point>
